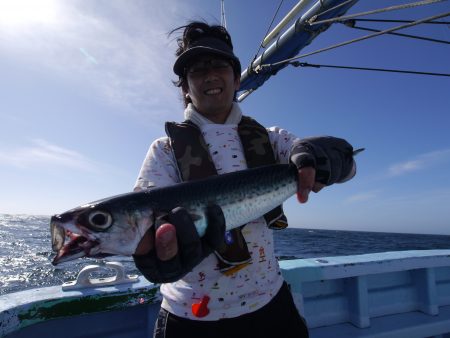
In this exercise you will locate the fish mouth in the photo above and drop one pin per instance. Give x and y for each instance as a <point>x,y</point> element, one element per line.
<point>69,245</point>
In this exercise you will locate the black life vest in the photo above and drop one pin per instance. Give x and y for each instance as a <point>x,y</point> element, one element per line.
<point>194,162</point>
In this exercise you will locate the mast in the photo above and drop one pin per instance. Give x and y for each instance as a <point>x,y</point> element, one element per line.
<point>294,39</point>
<point>285,21</point>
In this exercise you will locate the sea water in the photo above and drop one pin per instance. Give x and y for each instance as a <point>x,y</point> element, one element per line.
<point>25,249</point>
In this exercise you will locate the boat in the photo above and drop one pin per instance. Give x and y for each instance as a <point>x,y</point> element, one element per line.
<point>390,294</point>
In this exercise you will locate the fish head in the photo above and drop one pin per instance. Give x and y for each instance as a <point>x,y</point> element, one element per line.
<point>99,229</point>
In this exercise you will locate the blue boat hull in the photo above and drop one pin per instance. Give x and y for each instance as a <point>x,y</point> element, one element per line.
<point>392,294</point>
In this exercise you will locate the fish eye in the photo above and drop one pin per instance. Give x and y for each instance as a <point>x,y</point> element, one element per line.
<point>100,220</point>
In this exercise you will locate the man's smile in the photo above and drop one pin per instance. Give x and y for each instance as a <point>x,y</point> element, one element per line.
<point>213,91</point>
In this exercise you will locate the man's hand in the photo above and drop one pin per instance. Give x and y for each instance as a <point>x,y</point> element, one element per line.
<point>166,243</point>
<point>174,249</point>
<point>332,158</point>
<point>307,183</point>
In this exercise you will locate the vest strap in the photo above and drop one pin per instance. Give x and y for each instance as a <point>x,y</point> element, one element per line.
<point>258,152</point>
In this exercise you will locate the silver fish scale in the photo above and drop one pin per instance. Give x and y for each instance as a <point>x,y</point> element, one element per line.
<point>244,206</point>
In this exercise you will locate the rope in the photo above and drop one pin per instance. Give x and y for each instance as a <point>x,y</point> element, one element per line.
<point>434,17</point>
<point>351,24</point>
<point>382,10</point>
<point>304,64</point>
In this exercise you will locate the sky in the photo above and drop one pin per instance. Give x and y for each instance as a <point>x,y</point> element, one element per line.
<point>86,86</point>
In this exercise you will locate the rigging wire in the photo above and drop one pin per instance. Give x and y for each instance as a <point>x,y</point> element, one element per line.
<point>268,30</point>
<point>417,22</point>
<point>402,21</point>
<point>381,10</point>
<point>305,64</point>
<point>333,8</point>
<point>408,23</point>
<point>351,24</point>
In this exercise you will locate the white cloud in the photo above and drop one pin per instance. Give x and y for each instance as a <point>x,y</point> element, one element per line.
<point>43,153</point>
<point>123,57</point>
<point>362,197</point>
<point>405,167</point>
<point>422,161</point>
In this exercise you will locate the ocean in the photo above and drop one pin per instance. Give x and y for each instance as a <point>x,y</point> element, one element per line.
<point>25,249</point>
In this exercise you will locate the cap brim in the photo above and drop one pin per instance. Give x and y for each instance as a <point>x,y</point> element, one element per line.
<point>185,58</point>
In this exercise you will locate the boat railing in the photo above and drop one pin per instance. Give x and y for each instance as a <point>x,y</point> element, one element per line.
<point>390,294</point>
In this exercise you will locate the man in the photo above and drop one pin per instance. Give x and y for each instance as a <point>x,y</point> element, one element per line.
<point>226,284</point>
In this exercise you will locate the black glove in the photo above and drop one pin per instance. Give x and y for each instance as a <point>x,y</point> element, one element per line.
<point>332,158</point>
<point>191,248</point>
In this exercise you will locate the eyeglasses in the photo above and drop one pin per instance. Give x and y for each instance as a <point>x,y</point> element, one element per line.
<point>202,67</point>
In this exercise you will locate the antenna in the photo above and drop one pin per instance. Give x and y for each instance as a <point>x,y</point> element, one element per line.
<point>223,20</point>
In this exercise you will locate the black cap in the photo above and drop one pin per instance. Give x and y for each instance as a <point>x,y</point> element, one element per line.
<point>206,45</point>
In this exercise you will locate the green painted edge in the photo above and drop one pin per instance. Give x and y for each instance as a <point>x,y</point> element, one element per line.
<point>41,311</point>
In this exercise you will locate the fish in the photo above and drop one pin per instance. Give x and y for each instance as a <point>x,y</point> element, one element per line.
<point>115,225</point>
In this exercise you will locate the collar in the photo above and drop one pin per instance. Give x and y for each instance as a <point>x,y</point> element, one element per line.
<point>190,113</point>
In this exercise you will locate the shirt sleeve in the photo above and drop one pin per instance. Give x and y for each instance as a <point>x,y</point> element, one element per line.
<point>281,141</point>
<point>159,168</point>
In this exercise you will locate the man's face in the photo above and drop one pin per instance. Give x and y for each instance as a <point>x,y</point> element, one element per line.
<point>211,85</point>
